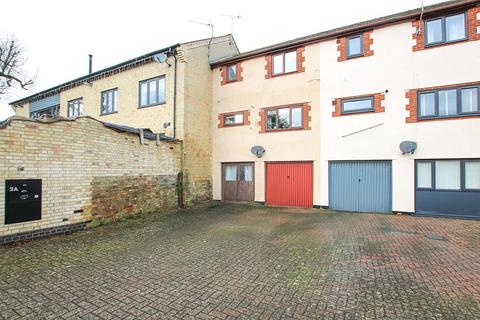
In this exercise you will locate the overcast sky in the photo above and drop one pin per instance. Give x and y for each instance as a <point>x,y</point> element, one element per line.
<point>58,35</point>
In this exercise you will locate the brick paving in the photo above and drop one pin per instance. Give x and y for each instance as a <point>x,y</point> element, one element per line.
<point>238,261</point>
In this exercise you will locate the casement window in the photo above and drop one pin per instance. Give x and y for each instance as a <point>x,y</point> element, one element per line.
<point>152,92</point>
<point>75,108</point>
<point>449,102</point>
<point>49,112</point>
<point>446,29</point>
<point>232,73</point>
<point>233,119</point>
<point>355,46</point>
<point>285,118</point>
<point>109,102</point>
<point>364,104</point>
<point>285,62</point>
<point>451,175</point>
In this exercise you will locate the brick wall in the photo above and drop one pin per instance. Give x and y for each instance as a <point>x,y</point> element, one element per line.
<point>87,171</point>
<point>378,99</point>
<point>367,47</point>
<point>473,32</point>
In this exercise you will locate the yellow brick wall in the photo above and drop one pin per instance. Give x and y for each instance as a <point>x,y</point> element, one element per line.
<point>22,111</point>
<point>78,161</point>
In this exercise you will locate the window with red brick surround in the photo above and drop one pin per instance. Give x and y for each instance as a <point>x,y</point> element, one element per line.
<point>244,113</point>
<point>412,106</point>
<point>269,63</point>
<point>306,118</point>
<point>378,99</point>
<point>472,32</point>
<point>342,45</point>
<point>224,75</point>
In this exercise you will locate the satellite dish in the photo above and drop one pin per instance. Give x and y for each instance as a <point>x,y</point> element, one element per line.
<point>160,57</point>
<point>258,151</point>
<point>408,147</point>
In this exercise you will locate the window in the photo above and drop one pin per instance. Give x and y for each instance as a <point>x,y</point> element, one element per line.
<point>232,72</point>
<point>285,118</point>
<point>355,46</point>
<point>109,101</point>
<point>231,173</point>
<point>49,112</point>
<point>445,29</point>
<point>285,62</point>
<point>364,104</point>
<point>152,92</point>
<point>233,119</point>
<point>447,103</point>
<point>246,172</point>
<point>448,175</point>
<point>75,108</point>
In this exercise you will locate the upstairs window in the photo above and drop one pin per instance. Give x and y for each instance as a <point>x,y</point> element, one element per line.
<point>75,108</point>
<point>285,118</point>
<point>445,29</point>
<point>232,73</point>
<point>364,104</point>
<point>50,112</point>
<point>109,101</point>
<point>285,62</point>
<point>355,46</point>
<point>233,119</point>
<point>447,103</point>
<point>152,92</point>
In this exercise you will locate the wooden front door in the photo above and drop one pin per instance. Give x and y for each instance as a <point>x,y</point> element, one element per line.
<point>237,181</point>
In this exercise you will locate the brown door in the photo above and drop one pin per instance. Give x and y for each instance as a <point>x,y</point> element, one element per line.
<point>237,181</point>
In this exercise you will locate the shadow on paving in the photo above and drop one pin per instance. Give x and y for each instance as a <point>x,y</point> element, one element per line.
<point>241,261</point>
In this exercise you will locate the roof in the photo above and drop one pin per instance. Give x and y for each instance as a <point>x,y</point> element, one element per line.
<point>132,63</point>
<point>333,33</point>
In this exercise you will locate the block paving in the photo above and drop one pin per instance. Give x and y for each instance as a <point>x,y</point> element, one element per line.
<point>249,262</point>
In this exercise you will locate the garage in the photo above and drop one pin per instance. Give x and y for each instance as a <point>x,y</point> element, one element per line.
<point>360,186</point>
<point>289,184</point>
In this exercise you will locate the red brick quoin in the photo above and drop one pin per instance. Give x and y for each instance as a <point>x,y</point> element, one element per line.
<point>367,43</point>
<point>223,73</point>
<point>246,119</point>
<point>412,106</point>
<point>269,63</point>
<point>305,121</point>
<point>472,32</point>
<point>377,104</point>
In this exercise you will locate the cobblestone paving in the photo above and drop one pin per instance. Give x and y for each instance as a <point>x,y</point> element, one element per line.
<point>238,261</point>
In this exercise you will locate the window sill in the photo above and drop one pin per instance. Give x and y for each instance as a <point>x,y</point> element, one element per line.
<point>233,125</point>
<point>284,74</point>
<point>108,113</point>
<point>460,116</point>
<point>285,130</point>
<point>151,105</point>
<point>355,56</point>
<point>443,44</point>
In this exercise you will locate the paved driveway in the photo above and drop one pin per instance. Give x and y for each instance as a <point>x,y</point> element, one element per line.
<point>251,262</point>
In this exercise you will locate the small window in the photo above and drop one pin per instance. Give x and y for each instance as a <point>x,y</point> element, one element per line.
<point>246,172</point>
<point>357,105</point>
<point>232,72</point>
<point>50,112</point>
<point>285,118</point>
<point>472,174</point>
<point>233,119</point>
<point>285,62</point>
<point>75,108</point>
<point>424,174</point>
<point>446,29</point>
<point>448,103</point>
<point>447,174</point>
<point>231,173</point>
<point>355,46</point>
<point>109,101</point>
<point>152,92</point>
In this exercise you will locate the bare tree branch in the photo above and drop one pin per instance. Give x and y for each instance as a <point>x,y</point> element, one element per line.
<point>11,66</point>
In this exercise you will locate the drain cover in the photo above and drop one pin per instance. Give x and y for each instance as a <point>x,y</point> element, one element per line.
<point>435,237</point>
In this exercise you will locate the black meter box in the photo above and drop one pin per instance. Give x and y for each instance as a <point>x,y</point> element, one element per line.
<point>23,200</point>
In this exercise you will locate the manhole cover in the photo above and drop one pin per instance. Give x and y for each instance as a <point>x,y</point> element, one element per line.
<point>435,237</point>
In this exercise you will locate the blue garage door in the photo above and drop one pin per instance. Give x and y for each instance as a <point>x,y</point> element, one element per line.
<point>362,186</point>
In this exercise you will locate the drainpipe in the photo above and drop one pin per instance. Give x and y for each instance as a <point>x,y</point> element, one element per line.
<point>175,96</point>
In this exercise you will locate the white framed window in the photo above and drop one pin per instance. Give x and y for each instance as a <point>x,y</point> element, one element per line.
<point>109,101</point>
<point>232,72</point>
<point>233,119</point>
<point>75,108</point>
<point>285,62</point>
<point>284,118</point>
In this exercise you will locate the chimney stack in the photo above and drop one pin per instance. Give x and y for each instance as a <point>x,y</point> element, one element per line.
<point>90,58</point>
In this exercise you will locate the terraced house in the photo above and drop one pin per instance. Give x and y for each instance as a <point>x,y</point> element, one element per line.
<point>327,114</point>
<point>379,116</point>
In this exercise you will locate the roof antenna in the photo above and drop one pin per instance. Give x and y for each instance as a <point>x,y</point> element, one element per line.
<point>421,17</point>
<point>210,25</point>
<point>233,18</point>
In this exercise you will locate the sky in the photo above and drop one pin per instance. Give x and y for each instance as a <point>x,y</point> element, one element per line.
<point>57,36</point>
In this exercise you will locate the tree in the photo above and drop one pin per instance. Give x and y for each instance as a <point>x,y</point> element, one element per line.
<point>12,61</point>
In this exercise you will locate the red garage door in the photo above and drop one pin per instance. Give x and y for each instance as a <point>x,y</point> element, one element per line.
<point>289,184</point>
